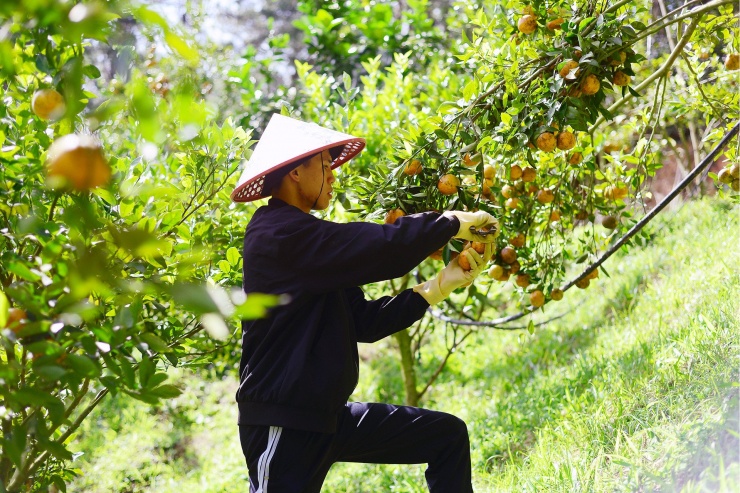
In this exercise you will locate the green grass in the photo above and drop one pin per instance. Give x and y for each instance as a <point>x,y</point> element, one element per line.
<point>635,389</point>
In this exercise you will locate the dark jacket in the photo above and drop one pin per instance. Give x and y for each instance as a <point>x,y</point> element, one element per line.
<point>300,364</point>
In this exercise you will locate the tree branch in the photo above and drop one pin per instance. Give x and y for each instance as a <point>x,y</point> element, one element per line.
<point>657,74</point>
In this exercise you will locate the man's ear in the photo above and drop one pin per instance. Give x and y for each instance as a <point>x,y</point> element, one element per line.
<point>294,175</point>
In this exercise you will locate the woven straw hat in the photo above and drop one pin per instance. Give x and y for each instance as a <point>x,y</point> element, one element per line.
<point>285,141</point>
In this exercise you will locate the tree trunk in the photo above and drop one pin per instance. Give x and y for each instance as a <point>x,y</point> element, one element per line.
<point>407,367</point>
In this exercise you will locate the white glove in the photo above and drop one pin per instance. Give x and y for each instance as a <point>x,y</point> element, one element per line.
<point>453,276</point>
<point>477,220</point>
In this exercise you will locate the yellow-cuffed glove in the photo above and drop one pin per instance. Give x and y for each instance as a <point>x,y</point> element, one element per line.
<point>453,276</point>
<point>477,220</point>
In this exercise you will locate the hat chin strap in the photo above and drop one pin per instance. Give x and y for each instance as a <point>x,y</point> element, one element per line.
<point>322,183</point>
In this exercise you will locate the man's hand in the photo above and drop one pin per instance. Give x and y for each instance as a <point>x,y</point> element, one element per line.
<point>472,224</point>
<point>453,276</point>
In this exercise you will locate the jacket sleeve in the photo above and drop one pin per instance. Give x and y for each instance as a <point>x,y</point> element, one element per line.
<point>319,256</point>
<point>379,318</point>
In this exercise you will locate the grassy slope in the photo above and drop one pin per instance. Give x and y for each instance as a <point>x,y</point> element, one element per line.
<point>635,389</point>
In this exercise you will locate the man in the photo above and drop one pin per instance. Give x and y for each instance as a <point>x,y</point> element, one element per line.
<point>300,364</point>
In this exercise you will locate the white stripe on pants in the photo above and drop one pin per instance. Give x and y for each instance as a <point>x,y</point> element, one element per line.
<point>263,466</point>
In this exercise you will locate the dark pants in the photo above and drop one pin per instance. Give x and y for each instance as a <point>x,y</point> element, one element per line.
<point>284,460</point>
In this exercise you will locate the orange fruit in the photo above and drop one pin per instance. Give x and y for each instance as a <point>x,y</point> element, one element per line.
<point>620,191</point>
<point>537,298</point>
<point>621,79</point>
<point>546,142</point>
<point>527,24</point>
<point>583,283</point>
<point>437,255</point>
<point>554,215</point>
<point>487,189</point>
<point>590,85</point>
<point>724,176</point>
<point>555,24</point>
<point>622,59</point>
<point>412,168</point>
<point>478,247</point>
<point>522,280</point>
<point>514,267</point>
<point>488,172</point>
<point>392,215</point>
<point>594,274</point>
<point>498,273</point>
<point>545,196</point>
<point>77,161</point>
<point>609,192</point>
<point>518,240</point>
<point>512,203</point>
<point>472,160</point>
<point>515,172</point>
<point>735,185</point>
<point>575,158</point>
<point>566,141</point>
<point>732,62</point>
<point>735,171</point>
<point>448,184</point>
<point>48,104</point>
<point>609,222</point>
<point>565,71</point>
<point>508,191</point>
<point>508,255</point>
<point>556,294</point>
<point>17,319</point>
<point>462,261</point>
<point>529,174</point>
<point>532,189</point>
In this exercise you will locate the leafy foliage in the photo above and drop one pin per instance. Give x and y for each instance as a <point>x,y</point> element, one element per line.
<point>107,287</point>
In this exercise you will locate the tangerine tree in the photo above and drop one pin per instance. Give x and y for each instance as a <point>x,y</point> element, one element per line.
<point>558,125</point>
<point>117,259</point>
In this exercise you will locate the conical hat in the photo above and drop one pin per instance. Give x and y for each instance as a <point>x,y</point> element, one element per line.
<point>285,141</point>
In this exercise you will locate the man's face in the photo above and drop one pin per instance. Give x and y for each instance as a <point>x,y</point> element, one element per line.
<point>312,179</point>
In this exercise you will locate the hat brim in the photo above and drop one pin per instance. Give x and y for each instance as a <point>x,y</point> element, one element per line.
<point>309,138</point>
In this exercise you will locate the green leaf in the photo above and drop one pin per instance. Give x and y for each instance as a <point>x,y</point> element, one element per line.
<point>154,342</point>
<point>256,306</point>
<point>157,379</point>
<point>233,256</point>
<point>530,327</point>
<point>4,309</point>
<point>91,71</point>
<point>32,396</point>
<point>51,373</point>
<point>56,449</point>
<point>193,297</point>
<point>181,47</point>
<point>22,271</point>
<point>146,370</point>
<point>224,266</point>
<point>82,365</point>
<point>165,391</point>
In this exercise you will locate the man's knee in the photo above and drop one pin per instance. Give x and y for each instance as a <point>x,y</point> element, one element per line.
<point>457,429</point>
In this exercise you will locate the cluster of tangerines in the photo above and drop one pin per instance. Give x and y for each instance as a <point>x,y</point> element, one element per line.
<point>74,161</point>
<point>569,69</point>
<point>730,175</point>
